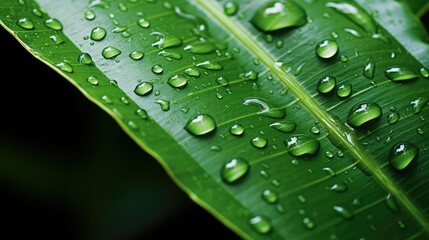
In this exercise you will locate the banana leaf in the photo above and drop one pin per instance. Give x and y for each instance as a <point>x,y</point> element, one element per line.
<point>283,119</point>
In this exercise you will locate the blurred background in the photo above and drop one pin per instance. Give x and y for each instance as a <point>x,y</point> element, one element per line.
<point>67,171</point>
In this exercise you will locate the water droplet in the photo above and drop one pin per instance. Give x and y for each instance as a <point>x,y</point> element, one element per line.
<point>89,15</point>
<point>92,80</point>
<point>85,58</point>
<point>136,55</point>
<point>343,212</point>
<point>54,24</point>
<point>330,171</point>
<point>327,48</point>
<point>275,15</point>
<point>259,142</point>
<point>222,81</point>
<point>308,223</point>
<point>326,84</point>
<point>165,105</point>
<point>391,204</point>
<point>344,90</point>
<point>234,170</point>
<point>424,72</point>
<point>302,199</point>
<point>338,187</point>
<point>143,89</point>
<point>26,23</point>
<point>363,112</point>
<point>301,145</point>
<point>269,196</point>
<point>201,47</point>
<point>400,74</point>
<point>37,12</point>
<point>344,58</point>
<point>267,108</point>
<point>402,154</point>
<point>143,23</point>
<point>236,129</point>
<point>369,69</point>
<point>107,100</point>
<point>392,118</point>
<point>170,55</point>
<point>192,72</point>
<point>201,124</point>
<point>250,75</point>
<point>157,69</point>
<point>314,130</point>
<point>142,113</point>
<point>210,65</point>
<point>110,52</point>
<point>98,34</point>
<point>230,8</point>
<point>65,67</point>
<point>418,104</point>
<point>166,41</point>
<point>260,224</point>
<point>286,126</point>
<point>178,81</point>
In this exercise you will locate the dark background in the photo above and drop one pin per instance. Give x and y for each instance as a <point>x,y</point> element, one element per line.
<point>63,176</point>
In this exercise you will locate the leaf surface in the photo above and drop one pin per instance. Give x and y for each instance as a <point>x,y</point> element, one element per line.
<point>255,125</point>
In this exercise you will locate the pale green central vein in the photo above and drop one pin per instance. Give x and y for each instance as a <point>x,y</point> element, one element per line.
<point>354,147</point>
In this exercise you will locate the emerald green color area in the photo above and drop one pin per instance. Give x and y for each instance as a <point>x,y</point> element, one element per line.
<point>277,15</point>
<point>329,170</point>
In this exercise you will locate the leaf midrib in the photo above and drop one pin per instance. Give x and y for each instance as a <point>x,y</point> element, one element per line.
<point>349,141</point>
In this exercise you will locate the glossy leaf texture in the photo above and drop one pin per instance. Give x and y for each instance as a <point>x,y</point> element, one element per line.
<point>299,129</point>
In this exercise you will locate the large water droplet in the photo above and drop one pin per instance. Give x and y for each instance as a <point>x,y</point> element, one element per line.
<point>89,15</point>
<point>234,170</point>
<point>260,224</point>
<point>178,81</point>
<point>326,84</point>
<point>301,145</point>
<point>402,154</point>
<point>157,69</point>
<point>144,23</point>
<point>143,89</point>
<point>275,15</point>
<point>267,108</point>
<point>85,58</point>
<point>54,24</point>
<point>363,112</point>
<point>201,124</point>
<point>418,104</point>
<point>398,73</point>
<point>284,126</point>
<point>26,23</point>
<point>327,48</point>
<point>110,52</point>
<point>98,33</point>
<point>230,8</point>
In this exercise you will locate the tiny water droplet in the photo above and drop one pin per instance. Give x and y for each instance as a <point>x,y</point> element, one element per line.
<point>157,69</point>
<point>234,170</point>
<point>269,195</point>
<point>85,58</point>
<point>26,23</point>
<point>286,126</point>
<point>260,224</point>
<point>338,187</point>
<point>201,124</point>
<point>90,15</point>
<point>344,90</point>
<point>136,55</point>
<point>170,55</point>
<point>110,52</point>
<point>330,171</point>
<point>53,24</point>
<point>314,130</point>
<point>363,112</point>
<point>391,204</point>
<point>398,73</point>
<point>393,117</point>
<point>178,81</point>
<point>369,69</point>
<point>236,129</point>
<point>259,142</point>
<point>192,72</point>
<point>327,48</point>
<point>98,34</point>
<point>308,223</point>
<point>142,113</point>
<point>301,145</point>
<point>65,67</point>
<point>275,15</point>
<point>164,104</point>
<point>402,154</point>
<point>92,80</point>
<point>37,12</point>
<point>230,8</point>
<point>143,89</point>
<point>165,40</point>
<point>343,212</point>
<point>326,84</point>
<point>222,81</point>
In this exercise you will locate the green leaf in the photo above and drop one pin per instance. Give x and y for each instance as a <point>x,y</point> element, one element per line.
<point>307,131</point>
